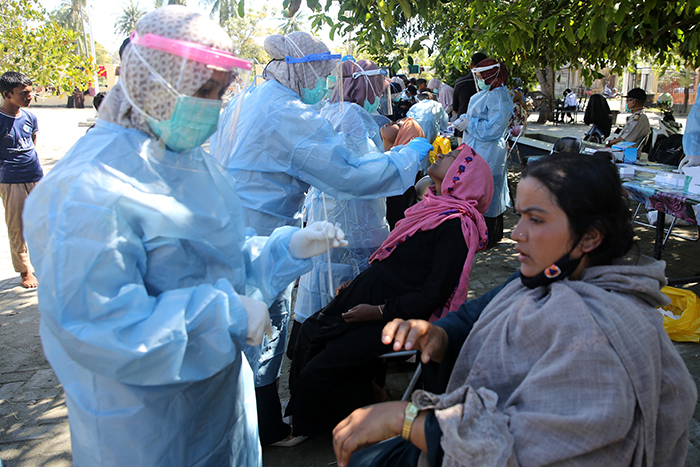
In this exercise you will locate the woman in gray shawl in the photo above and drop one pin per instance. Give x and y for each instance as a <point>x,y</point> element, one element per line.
<point>569,365</point>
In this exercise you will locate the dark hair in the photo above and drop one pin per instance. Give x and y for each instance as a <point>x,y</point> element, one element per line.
<point>11,79</point>
<point>477,57</point>
<point>97,100</point>
<point>411,89</point>
<point>588,189</point>
<point>126,42</point>
<point>567,91</point>
<point>420,81</point>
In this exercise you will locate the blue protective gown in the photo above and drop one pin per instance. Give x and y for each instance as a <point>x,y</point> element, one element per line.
<point>488,114</point>
<point>691,137</point>
<point>363,221</point>
<point>141,253</point>
<point>431,117</point>
<point>282,147</point>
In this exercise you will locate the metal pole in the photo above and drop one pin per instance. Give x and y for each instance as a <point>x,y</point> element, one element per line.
<point>96,83</point>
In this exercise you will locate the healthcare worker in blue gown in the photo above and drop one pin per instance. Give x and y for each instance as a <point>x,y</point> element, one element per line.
<point>149,284</point>
<point>362,220</point>
<point>484,130</point>
<point>282,147</point>
<point>691,138</point>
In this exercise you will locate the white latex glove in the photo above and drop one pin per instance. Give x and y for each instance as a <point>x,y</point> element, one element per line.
<point>316,239</point>
<point>258,320</point>
<point>689,161</point>
<point>462,123</point>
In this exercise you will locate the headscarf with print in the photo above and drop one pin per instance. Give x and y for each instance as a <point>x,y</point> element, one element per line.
<point>296,76</point>
<point>466,195</point>
<point>361,88</point>
<point>186,76</point>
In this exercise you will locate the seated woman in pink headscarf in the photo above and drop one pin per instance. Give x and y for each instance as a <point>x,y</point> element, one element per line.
<point>420,272</point>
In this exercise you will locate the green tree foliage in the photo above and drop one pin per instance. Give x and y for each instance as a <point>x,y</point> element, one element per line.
<point>245,30</point>
<point>225,9</point>
<point>71,14</point>
<point>103,56</point>
<point>160,3</point>
<point>540,35</point>
<point>126,23</point>
<point>33,44</point>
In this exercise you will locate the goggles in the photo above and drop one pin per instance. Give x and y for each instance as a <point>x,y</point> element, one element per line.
<point>481,69</point>
<point>312,58</point>
<point>192,51</point>
<point>376,72</point>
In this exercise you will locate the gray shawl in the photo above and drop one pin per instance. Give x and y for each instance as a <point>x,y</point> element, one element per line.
<point>577,373</point>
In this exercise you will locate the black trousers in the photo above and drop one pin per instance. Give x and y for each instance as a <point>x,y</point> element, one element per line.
<point>495,229</point>
<point>270,424</point>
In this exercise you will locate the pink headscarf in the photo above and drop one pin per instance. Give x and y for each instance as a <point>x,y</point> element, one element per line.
<point>466,194</point>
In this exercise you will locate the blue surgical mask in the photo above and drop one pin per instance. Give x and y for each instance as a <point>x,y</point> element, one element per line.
<point>435,90</point>
<point>193,121</point>
<point>315,95</point>
<point>371,108</point>
<point>482,85</point>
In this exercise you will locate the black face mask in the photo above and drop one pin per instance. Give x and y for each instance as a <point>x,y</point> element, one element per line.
<point>562,268</point>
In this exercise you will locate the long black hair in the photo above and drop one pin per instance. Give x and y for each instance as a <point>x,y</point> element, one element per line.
<point>588,189</point>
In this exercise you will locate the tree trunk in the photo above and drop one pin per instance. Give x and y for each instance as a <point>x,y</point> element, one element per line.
<point>546,79</point>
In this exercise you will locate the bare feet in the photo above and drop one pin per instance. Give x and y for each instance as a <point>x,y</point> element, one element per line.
<point>29,280</point>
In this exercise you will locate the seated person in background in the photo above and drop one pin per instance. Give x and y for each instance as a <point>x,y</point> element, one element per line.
<point>396,134</point>
<point>637,127</point>
<point>409,94</point>
<point>570,104</point>
<point>421,271</point>
<point>569,365</point>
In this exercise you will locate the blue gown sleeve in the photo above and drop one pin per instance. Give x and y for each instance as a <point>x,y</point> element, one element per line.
<point>269,264</point>
<point>322,159</point>
<point>490,126</point>
<point>691,137</point>
<point>94,300</point>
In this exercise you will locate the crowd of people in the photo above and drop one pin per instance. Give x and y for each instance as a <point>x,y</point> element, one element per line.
<point>167,270</point>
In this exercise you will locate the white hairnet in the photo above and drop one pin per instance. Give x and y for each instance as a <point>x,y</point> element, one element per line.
<point>296,76</point>
<point>186,76</point>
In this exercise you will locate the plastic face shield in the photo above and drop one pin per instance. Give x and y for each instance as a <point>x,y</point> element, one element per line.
<point>377,89</point>
<point>333,80</point>
<point>486,72</point>
<point>220,60</point>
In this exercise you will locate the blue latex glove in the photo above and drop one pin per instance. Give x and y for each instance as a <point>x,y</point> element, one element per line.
<point>421,146</point>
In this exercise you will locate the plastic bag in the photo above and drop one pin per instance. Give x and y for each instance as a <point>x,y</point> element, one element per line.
<point>441,145</point>
<point>682,316</point>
